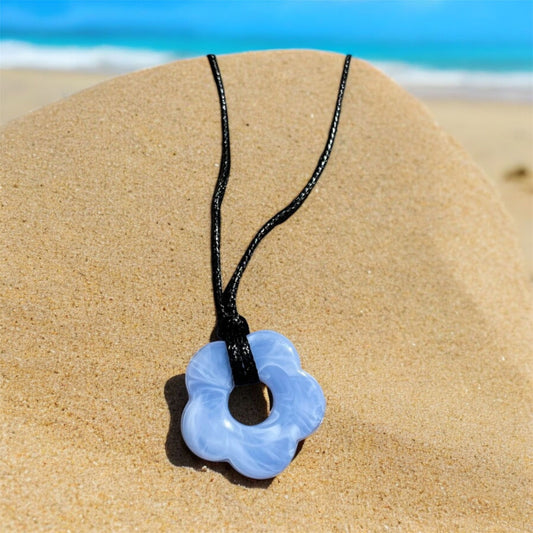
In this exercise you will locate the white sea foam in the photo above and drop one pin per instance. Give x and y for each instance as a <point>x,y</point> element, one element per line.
<point>422,81</point>
<point>22,55</point>
<point>507,85</point>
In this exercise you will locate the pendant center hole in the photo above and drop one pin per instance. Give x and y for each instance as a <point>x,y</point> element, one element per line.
<point>250,404</point>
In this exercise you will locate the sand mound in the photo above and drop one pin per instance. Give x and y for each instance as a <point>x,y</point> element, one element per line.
<point>399,281</point>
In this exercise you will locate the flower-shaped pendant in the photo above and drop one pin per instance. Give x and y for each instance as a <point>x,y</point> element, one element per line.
<point>266,449</point>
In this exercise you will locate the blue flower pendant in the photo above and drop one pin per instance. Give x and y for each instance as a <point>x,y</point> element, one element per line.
<point>266,449</point>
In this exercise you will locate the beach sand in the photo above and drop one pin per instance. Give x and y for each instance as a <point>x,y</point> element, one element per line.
<point>497,134</point>
<point>401,282</point>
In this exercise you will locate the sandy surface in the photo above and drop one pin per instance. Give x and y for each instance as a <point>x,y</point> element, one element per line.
<point>400,282</point>
<point>22,91</point>
<point>498,135</point>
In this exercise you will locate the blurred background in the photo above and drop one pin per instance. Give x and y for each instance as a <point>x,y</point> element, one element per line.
<point>471,61</point>
<point>457,46</point>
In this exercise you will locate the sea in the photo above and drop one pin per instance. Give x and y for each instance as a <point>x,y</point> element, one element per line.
<point>455,48</point>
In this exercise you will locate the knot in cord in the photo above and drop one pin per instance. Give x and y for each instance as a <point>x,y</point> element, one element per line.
<point>233,329</point>
<point>231,326</point>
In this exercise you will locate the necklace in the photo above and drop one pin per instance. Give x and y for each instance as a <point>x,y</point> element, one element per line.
<point>240,358</point>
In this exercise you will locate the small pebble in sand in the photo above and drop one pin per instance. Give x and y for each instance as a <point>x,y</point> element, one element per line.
<point>518,173</point>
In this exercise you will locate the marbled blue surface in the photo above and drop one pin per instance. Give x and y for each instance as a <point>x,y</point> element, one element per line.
<point>266,449</point>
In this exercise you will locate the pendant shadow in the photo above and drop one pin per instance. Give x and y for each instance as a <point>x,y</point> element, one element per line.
<point>177,452</point>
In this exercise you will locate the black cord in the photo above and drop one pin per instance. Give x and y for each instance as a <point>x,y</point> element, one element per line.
<point>232,327</point>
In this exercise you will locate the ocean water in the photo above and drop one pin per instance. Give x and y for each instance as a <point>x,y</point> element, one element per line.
<point>444,47</point>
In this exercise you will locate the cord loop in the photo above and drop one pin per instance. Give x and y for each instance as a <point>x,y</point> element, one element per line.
<point>232,327</point>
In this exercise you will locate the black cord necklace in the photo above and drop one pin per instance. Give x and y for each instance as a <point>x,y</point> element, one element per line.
<point>242,358</point>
